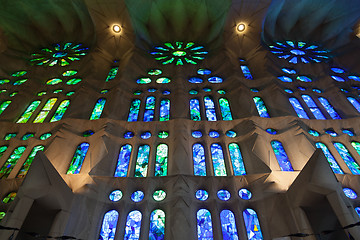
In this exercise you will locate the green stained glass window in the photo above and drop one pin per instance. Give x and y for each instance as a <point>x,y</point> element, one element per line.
<point>25,167</point>
<point>73,81</point>
<point>54,81</point>
<point>143,81</point>
<point>9,198</point>
<point>4,81</point>
<point>112,73</point>
<point>2,150</point>
<point>19,73</point>
<point>45,111</point>
<point>142,161</point>
<point>19,82</point>
<point>163,80</point>
<point>104,91</point>
<point>78,158</point>
<point>70,94</point>
<point>98,109</point>
<point>27,136</point>
<point>41,94</point>
<point>13,94</point>
<point>163,134</point>
<point>4,105</point>
<point>225,109</point>
<point>2,215</point>
<point>45,136</point>
<point>28,112</point>
<point>149,109</point>
<point>69,73</point>
<point>60,111</point>
<point>11,162</point>
<point>159,195</point>
<point>57,91</point>
<point>155,72</point>
<point>9,136</point>
<point>161,160</point>
<point>157,225</point>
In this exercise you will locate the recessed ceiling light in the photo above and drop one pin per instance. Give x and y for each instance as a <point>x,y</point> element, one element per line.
<point>116,28</point>
<point>240,27</point>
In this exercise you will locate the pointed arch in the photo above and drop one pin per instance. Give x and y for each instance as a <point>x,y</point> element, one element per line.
<point>313,107</point>
<point>261,108</point>
<point>348,159</point>
<point>252,224</point>
<point>26,165</point>
<point>161,160</point>
<point>134,110</point>
<point>354,102</point>
<point>228,225</point>
<point>329,108</point>
<point>29,111</point>
<point>11,162</point>
<point>4,105</point>
<point>204,225</point>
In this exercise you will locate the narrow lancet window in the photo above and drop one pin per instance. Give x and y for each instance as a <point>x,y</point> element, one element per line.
<point>217,156</point>
<point>195,110</point>
<point>142,161</point>
<point>236,159</point>
<point>252,225</point>
<point>199,160</point>
<point>298,108</point>
<point>210,109</point>
<point>329,108</point>
<point>204,225</point>
<point>228,225</point>
<point>4,105</point>
<point>134,110</point>
<point>354,102</point>
<point>78,158</point>
<point>246,71</point>
<point>157,225</point>
<point>11,162</point>
<point>108,228</point>
<point>28,112</point>
<point>45,111</point>
<point>332,162</point>
<point>60,111</point>
<point>348,159</point>
<point>25,167</point>
<point>225,109</point>
<point>281,156</point>
<point>313,107</point>
<point>149,109</point>
<point>123,161</point>
<point>164,110</point>
<point>161,160</point>
<point>98,109</point>
<point>112,73</point>
<point>133,225</point>
<point>261,108</point>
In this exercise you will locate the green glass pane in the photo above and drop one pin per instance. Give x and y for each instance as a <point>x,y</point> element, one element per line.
<point>69,73</point>
<point>225,109</point>
<point>19,74</point>
<point>9,198</point>
<point>57,91</point>
<point>104,91</point>
<point>3,90</point>
<point>143,81</point>
<point>159,195</point>
<point>4,81</point>
<point>221,91</point>
<point>78,159</point>
<point>45,111</point>
<point>4,105</point>
<point>60,111</point>
<point>69,94</point>
<point>155,72</point>
<point>138,92</point>
<point>41,94</point>
<point>193,92</point>
<point>13,94</point>
<point>54,81</point>
<point>45,136</point>
<point>2,150</point>
<point>28,112</point>
<point>163,80</point>
<point>142,161</point>
<point>11,162</point>
<point>161,160</point>
<point>25,167</point>
<point>112,73</point>
<point>2,215</point>
<point>73,81</point>
<point>179,53</point>
<point>19,82</point>
<point>27,136</point>
<point>163,134</point>
<point>99,106</point>
<point>9,136</point>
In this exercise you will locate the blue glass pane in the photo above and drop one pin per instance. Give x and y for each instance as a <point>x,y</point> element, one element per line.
<point>128,135</point>
<point>298,108</point>
<point>108,227</point>
<point>289,70</point>
<point>350,193</point>
<point>146,135</point>
<point>357,209</point>
<point>166,92</point>
<point>199,160</point>
<point>331,132</point>
<point>337,70</point>
<point>204,225</point>
<point>314,133</point>
<point>355,78</point>
<point>133,225</point>
<point>281,156</point>
<point>123,161</point>
<point>214,134</point>
<point>337,78</point>
<point>202,71</point>
<point>134,110</point>
<point>252,225</point>
<point>223,195</point>
<point>333,114</point>
<point>313,107</point>
<point>196,134</point>
<point>285,79</point>
<point>217,156</point>
<point>195,80</point>
<point>228,225</point>
<point>201,195</point>
<point>78,158</point>
<point>149,109</point>
<point>236,159</point>
<point>225,109</point>
<point>302,88</point>
<point>260,106</point>
<point>330,158</point>
<point>142,161</point>
<point>304,79</point>
<point>98,109</point>
<point>151,90</point>
<point>317,90</point>
<point>164,110</point>
<point>195,110</point>
<point>231,134</point>
<point>254,89</point>
<point>348,132</point>
<point>157,225</point>
<point>210,109</point>
<point>137,196</point>
<point>245,194</point>
<point>206,89</point>
<point>348,159</point>
<point>115,195</point>
<point>288,90</point>
<point>271,131</point>
<point>355,103</point>
<point>246,71</point>
<point>215,80</point>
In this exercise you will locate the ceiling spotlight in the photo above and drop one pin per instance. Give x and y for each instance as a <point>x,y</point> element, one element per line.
<point>240,27</point>
<point>116,28</point>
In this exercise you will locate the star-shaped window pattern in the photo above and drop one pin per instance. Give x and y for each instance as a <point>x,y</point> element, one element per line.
<point>59,54</point>
<point>300,52</point>
<point>179,53</point>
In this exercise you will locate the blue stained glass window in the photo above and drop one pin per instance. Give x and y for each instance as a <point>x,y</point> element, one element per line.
<point>203,71</point>
<point>199,160</point>
<point>195,80</point>
<point>204,225</point>
<point>281,156</point>
<point>196,134</point>
<point>123,161</point>
<point>304,79</point>
<point>357,209</point>
<point>217,156</point>
<point>355,78</point>
<point>133,225</point>
<point>236,159</point>
<point>285,79</point>
<point>157,225</point>
<point>134,110</point>
<point>337,78</point>
<point>215,80</point>
<point>214,134</point>
<point>115,195</point>
<point>231,134</point>
<point>298,108</point>
<point>149,109</point>
<point>166,92</point>
<point>330,158</point>
<point>146,135</point>
<point>195,110</point>
<point>112,74</point>
<point>333,114</point>
<point>142,161</point>
<point>254,89</point>
<point>223,195</point>
<point>228,225</point>
<point>302,88</point>
<point>193,92</point>
<point>128,135</point>
<point>355,103</point>
<point>348,132</point>
<point>289,70</point>
<point>246,71</point>
<point>98,109</point>
<point>210,109</point>
<point>288,90</point>
<point>338,70</point>
<point>108,227</point>
<point>260,106</point>
<point>152,90</point>
<point>245,194</point>
<point>348,159</point>
<point>331,132</point>
<point>78,158</point>
<point>137,196</point>
<point>313,107</point>
<point>164,110</point>
<point>225,109</point>
<point>201,195</point>
<point>206,89</point>
<point>271,131</point>
<point>317,90</point>
<point>252,225</point>
<point>314,133</point>
<point>350,193</point>
<point>161,162</point>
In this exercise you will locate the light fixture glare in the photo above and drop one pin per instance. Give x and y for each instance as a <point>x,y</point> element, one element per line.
<point>116,28</point>
<point>241,27</point>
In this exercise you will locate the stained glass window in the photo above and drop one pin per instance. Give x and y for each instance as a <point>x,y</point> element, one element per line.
<point>108,228</point>
<point>60,111</point>
<point>355,103</point>
<point>149,109</point>
<point>123,161</point>
<point>9,198</point>
<point>313,107</point>
<point>4,105</point>
<point>78,158</point>
<point>164,110</point>
<point>112,73</point>
<point>236,159</point>
<point>225,109</point>
<point>195,110</point>
<point>134,110</point>
<point>252,224</point>
<point>245,194</point>
<point>142,161</point>
<point>217,156</point>
<point>9,136</point>
<point>223,195</point>
<point>260,106</point>
<point>201,195</point>
<point>304,79</point>
<point>157,225</point>
<point>159,195</point>
<point>210,109</point>
<point>231,134</point>
<point>348,159</point>
<point>285,79</point>
<point>215,80</point>
<point>298,108</point>
<point>2,150</point>
<point>137,196</point>
<point>98,109</point>
<point>27,136</point>
<point>348,132</point>
<point>333,114</point>
<point>281,156</point>
<point>28,112</point>
<point>330,158</point>
<point>350,193</point>
<point>204,225</point>
<point>228,225</point>
<point>163,134</point>
<point>146,135</point>
<point>163,80</point>
<point>203,71</point>
<point>25,167</point>
<point>161,160</point>
<point>199,160</point>
<point>11,162</point>
<point>155,72</point>
<point>115,195</point>
<point>314,132</point>
<point>45,136</point>
<point>196,134</point>
<point>2,215</point>
<point>133,225</point>
<point>45,111</point>
<point>356,145</point>
<point>246,71</point>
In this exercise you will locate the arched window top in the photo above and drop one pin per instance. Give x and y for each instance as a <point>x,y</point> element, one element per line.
<point>133,225</point>
<point>60,111</point>
<point>4,105</point>
<point>142,161</point>
<point>261,108</point>
<point>108,228</point>
<point>298,108</point>
<point>252,224</point>
<point>164,110</point>
<point>313,107</point>
<point>329,108</point>
<point>355,103</point>
<point>78,159</point>
<point>157,225</point>
<point>236,159</point>
<point>217,156</point>
<point>204,225</point>
<point>225,109</point>
<point>98,109</point>
<point>210,108</point>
